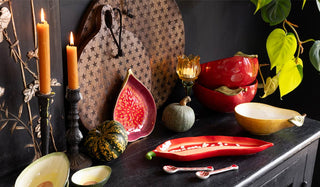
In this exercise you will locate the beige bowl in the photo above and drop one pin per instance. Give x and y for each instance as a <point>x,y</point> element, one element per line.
<point>263,119</point>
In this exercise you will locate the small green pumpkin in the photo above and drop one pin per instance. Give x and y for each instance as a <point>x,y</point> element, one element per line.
<point>179,117</point>
<point>107,141</point>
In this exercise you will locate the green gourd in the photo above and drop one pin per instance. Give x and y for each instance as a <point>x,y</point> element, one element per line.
<point>179,117</point>
<point>107,141</point>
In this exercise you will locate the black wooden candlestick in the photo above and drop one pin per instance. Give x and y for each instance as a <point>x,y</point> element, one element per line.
<point>44,101</point>
<point>74,135</point>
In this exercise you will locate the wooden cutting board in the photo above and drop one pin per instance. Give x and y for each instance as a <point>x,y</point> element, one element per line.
<point>159,26</point>
<point>101,74</point>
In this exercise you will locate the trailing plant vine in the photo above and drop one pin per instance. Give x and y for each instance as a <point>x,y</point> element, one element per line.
<point>284,48</point>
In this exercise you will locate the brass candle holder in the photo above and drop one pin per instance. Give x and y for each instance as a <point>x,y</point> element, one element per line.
<point>44,101</point>
<point>74,135</point>
<point>188,70</point>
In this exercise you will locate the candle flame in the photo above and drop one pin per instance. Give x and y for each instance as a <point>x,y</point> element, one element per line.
<point>71,39</point>
<point>42,15</point>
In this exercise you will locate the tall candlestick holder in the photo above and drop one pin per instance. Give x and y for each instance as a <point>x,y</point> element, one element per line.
<point>44,101</point>
<point>74,135</point>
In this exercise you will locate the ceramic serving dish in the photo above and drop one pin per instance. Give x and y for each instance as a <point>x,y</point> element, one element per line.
<point>95,176</point>
<point>200,147</point>
<point>135,108</point>
<point>263,119</point>
<point>50,170</point>
<point>221,102</point>
<point>231,72</point>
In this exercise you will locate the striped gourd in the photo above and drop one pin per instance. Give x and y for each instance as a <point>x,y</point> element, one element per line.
<point>107,141</point>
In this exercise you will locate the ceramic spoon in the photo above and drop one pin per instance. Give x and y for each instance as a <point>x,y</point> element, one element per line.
<point>173,169</point>
<point>206,174</point>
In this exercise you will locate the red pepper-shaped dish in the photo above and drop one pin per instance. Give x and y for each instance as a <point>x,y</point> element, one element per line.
<point>200,147</point>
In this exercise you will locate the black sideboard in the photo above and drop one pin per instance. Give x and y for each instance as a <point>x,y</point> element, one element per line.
<point>289,162</point>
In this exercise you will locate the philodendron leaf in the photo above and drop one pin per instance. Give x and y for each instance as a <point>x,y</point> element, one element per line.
<point>290,76</point>
<point>276,11</point>
<point>314,55</point>
<point>259,4</point>
<point>304,2</point>
<point>281,46</point>
<point>271,86</point>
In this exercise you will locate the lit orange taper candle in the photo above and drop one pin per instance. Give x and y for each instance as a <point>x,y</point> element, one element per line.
<point>44,55</point>
<point>72,60</point>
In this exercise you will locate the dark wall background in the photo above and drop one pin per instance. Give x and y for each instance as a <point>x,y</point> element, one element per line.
<point>217,29</point>
<point>14,154</point>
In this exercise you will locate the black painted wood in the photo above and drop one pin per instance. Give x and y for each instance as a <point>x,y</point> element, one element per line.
<point>14,154</point>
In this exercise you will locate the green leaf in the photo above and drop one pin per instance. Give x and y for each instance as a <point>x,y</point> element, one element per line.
<point>259,4</point>
<point>281,46</point>
<point>276,11</point>
<point>318,4</point>
<point>290,76</point>
<point>304,2</point>
<point>314,55</point>
<point>271,86</point>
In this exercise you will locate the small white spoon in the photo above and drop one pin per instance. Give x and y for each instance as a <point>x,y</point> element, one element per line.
<point>206,174</point>
<point>173,169</point>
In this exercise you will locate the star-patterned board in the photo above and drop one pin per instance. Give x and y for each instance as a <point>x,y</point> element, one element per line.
<point>159,26</point>
<point>101,74</point>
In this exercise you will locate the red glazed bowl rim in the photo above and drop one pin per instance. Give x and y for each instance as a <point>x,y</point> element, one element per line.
<point>218,101</point>
<point>213,90</point>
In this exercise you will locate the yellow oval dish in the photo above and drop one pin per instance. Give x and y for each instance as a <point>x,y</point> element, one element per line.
<point>263,119</point>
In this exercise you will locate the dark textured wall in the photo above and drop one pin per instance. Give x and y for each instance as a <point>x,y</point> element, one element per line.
<point>14,155</point>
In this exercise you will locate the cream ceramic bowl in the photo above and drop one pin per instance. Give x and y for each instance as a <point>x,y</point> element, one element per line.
<point>95,176</point>
<point>263,119</point>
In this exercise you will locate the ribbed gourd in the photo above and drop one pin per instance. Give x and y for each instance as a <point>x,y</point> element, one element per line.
<point>107,141</point>
<point>179,117</point>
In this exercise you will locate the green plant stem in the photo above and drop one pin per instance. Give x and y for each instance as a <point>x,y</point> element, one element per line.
<point>309,40</point>
<point>300,49</point>
<point>297,36</point>
<point>260,73</point>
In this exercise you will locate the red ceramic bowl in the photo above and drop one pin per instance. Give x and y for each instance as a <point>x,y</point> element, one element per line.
<point>231,72</point>
<point>223,103</point>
